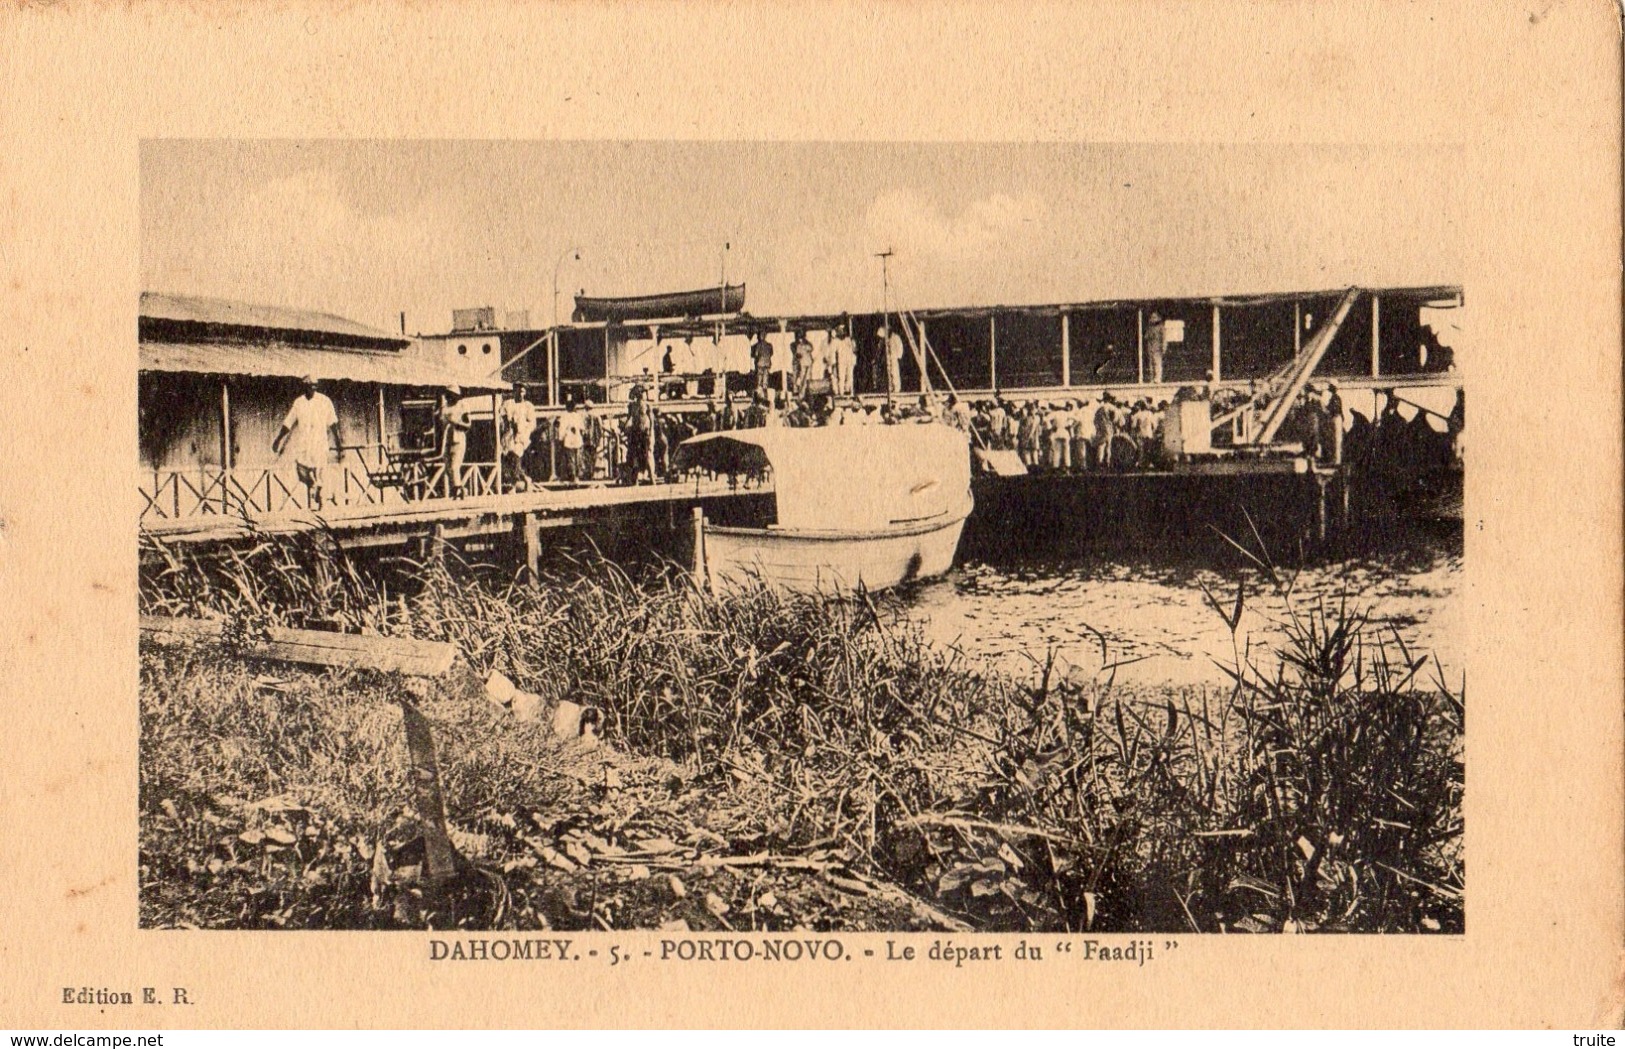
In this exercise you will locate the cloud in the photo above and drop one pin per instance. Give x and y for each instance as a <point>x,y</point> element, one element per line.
<point>302,240</point>
<point>997,225</point>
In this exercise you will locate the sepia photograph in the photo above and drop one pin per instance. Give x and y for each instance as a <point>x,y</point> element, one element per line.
<point>737,538</point>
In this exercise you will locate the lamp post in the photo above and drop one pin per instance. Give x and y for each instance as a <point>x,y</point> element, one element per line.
<point>553,333</point>
<point>567,251</point>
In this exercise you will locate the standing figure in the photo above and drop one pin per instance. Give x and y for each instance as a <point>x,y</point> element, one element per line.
<point>594,442</point>
<point>1155,344</point>
<point>455,422</point>
<point>311,428</point>
<point>1077,427</point>
<point>518,423</point>
<point>891,348</point>
<point>761,354</point>
<point>639,439</point>
<point>1058,455</point>
<point>801,359</point>
<point>1105,431</point>
<point>572,439</point>
<point>1456,426</point>
<point>1333,445</point>
<point>1028,435</point>
<point>843,357</point>
<point>996,437</point>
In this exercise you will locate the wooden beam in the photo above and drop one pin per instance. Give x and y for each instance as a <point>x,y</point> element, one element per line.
<point>440,856</point>
<point>1216,342</point>
<point>383,441</point>
<point>1066,349</point>
<point>496,436</point>
<point>1139,335</point>
<point>323,648</point>
<point>530,539</point>
<point>1297,328</point>
<point>225,425</point>
<point>1376,337</point>
<point>993,351</point>
<point>553,369</point>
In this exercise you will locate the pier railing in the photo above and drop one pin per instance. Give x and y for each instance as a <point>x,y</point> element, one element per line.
<point>364,477</point>
<point>211,491</point>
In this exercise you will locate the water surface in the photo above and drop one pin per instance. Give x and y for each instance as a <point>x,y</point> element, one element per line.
<point>1150,614</point>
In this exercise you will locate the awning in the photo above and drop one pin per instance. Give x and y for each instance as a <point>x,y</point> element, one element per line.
<point>275,359</point>
<point>846,478</point>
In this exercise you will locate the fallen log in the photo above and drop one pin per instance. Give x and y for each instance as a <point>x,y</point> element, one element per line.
<point>324,648</point>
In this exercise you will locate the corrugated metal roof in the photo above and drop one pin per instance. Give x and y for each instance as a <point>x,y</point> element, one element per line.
<point>197,309</point>
<point>276,359</point>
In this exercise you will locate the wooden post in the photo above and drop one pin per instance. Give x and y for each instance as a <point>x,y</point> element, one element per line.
<point>383,442</point>
<point>784,373</point>
<point>697,567</point>
<point>553,368</point>
<point>324,648</point>
<point>528,531</point>
<point>1139,335</point>
<point>496,437</point>
<point>993,350</point>
<point>1343,500</point>
<point>437,545</point>
<point>1066,349</point>
<point>440,857</point>
<point>1297,329</point>
<point>225,446</point>
<point>1216,341</point>
<point>1320,505</point>
<point>1376,337</point>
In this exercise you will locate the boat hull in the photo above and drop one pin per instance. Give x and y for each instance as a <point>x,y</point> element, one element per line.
<point>808,561</point>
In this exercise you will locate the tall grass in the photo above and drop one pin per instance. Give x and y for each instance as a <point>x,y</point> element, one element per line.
<point>1320,791</point>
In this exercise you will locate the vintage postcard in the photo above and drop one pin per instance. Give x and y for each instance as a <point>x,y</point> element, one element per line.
<point>912,516</point>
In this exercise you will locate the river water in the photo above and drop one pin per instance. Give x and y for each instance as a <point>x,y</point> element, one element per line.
<point>1150,615</point>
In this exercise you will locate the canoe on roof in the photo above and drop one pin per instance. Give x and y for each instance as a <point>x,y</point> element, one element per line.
<point>698,303</point>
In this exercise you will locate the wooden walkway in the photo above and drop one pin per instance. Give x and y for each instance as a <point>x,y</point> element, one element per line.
<point>362,525</point>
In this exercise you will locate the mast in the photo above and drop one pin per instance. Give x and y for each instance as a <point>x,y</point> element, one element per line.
<point>885,286</point>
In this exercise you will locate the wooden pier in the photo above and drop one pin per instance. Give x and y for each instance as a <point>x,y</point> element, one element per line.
<point>522,515</point>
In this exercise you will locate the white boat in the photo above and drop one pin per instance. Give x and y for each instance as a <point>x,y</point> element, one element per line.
<point>855,505</point>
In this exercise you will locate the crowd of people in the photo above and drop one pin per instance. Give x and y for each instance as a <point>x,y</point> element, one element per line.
<point>637,445</point>
<point>1094,432</point>
<point>1098,432</point>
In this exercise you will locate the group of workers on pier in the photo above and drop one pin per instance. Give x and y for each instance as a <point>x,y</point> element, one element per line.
<point>1097,431</point>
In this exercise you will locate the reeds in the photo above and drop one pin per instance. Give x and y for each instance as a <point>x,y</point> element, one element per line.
<point>1320,791</point>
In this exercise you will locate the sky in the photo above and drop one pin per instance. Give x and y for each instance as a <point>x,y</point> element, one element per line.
<point>368,229</point>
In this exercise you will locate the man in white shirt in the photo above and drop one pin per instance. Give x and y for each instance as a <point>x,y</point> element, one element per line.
<point>572,431</point>
<point>518,422</point>
<point>311,431</point>
<point>892,344</point>
<point>842,354</point>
